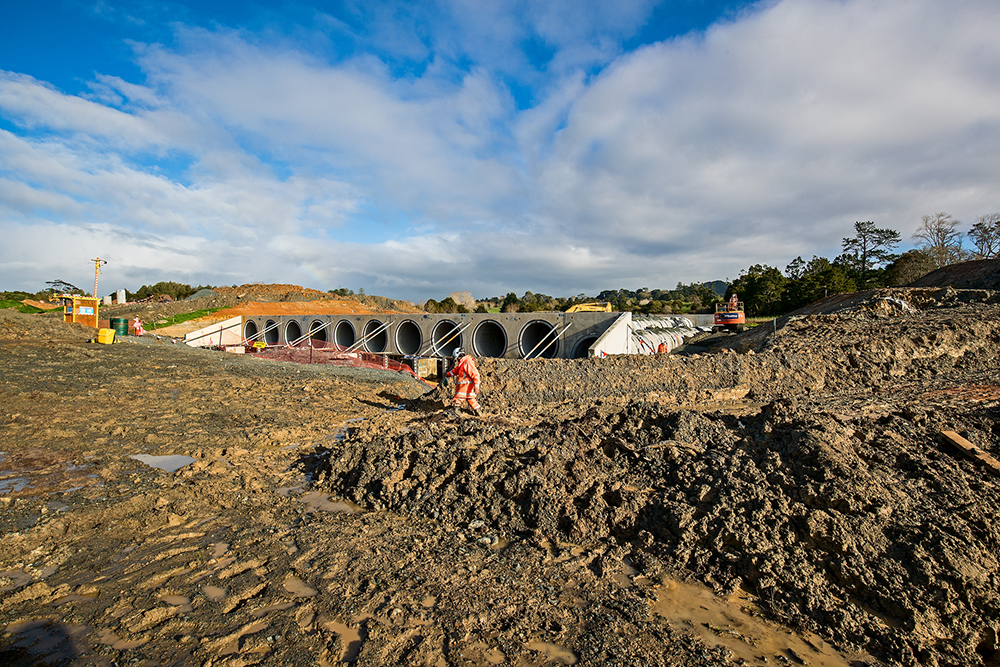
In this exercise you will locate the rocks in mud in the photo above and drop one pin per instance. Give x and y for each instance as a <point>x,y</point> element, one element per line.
<point>838,525</point>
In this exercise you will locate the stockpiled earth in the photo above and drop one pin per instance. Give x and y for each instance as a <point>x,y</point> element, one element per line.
<point>798,473</point>
<point>826,492</point>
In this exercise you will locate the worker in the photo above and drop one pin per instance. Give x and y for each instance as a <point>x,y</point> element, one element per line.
<point>467,381</point>
<point>734,303</point>
<point>137,326</point>
<point>662,348</point>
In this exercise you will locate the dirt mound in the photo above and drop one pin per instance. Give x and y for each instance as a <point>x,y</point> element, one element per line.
<point>839,509</point>
<point>979,274</point>
<point>15,326</point>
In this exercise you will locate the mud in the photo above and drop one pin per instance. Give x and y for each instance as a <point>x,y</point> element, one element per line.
<point>783,500</point>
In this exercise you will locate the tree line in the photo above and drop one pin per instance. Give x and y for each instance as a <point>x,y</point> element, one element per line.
<point>867,261</point>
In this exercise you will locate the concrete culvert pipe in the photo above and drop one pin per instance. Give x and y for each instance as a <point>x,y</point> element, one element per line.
<point>377,342</point>
<point>317,331</point>
<point>408,337</point>
<point>489,339</point>
<point>271,333</point>
<point>293,332</point>
<point>344,335</point>
<point>536,339</point>
<point>443,338</point>
<point>249,331</point>
<point>582,349</point>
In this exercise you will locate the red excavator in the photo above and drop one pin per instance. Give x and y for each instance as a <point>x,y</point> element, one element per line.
<point>730,316</point>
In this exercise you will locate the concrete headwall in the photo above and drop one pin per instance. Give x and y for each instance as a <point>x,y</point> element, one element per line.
<point>498,335</point>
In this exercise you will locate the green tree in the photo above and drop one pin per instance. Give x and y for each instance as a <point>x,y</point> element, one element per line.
<point>816,280</point>
<point>869,249</point>
<point>509,303</point>
<point>760,288</point>
<point>985,236</point>
<point>940,239</point>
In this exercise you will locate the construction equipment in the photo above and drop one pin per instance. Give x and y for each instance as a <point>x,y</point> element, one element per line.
<point>601,307</point>
<point>729,316</point>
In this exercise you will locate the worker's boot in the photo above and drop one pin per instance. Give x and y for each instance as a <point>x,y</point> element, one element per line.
<point>453,411</point>
<point>477,411</point>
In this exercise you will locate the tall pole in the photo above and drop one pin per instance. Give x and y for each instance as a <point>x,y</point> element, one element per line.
<point>97,271</point>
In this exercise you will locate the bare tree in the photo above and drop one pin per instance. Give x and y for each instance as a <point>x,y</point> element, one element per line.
<point>940,240</point>
<point>985,235</point>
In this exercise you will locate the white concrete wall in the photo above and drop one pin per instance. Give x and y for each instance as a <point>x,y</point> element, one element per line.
<point>617,339</point>
<point>227,332</point>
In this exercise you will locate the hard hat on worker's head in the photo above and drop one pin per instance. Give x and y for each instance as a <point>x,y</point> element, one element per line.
<point>458,353</point>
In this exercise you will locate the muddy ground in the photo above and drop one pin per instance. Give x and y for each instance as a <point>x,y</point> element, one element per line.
<point>778,497</point>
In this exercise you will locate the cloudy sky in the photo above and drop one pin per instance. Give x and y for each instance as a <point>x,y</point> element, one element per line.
<point>416,148</point>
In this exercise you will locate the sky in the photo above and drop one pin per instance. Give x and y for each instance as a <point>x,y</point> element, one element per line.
<point>413,149</point>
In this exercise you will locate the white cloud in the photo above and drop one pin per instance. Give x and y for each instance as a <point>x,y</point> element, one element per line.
<point>243,159</point>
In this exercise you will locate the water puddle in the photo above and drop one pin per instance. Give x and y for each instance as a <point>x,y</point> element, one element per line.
<point>13,579</point>
<point>14,484</point>
<point>298,588</point>
<point>165,463</point>
<point>351,638</point>
<point>36,471</point>
<point>214,593</point>
<point>320,502</point>
<point>725,622</point>
<point>555,653</point>
<point>181,602</point>
<point>47,641</point>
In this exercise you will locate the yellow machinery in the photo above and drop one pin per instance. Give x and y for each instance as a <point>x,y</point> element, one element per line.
<point>602,307</point>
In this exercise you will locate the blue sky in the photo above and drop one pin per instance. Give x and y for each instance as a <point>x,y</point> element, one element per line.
<point>414,149</point>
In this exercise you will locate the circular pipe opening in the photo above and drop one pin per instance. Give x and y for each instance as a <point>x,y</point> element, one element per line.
<point>344,335</point>
<point>317,331</point>
<point>536,339</point>
<point>271,332</point>
<point>443,338</point>
<point>583,347</point>
<point>293,332</point>
<point>250,330</point>
<point>408,337</point>
<point>489,339</point>
<point>379,341</point>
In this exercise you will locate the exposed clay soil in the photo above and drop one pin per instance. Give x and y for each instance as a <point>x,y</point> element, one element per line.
<point>797,470</point>
<point>256,299</point>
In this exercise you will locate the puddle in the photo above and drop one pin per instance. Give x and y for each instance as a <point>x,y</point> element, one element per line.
<point>298,588</point>
<point>166,463</point>
<point>14,484</point>
<point>320,502</point>
<point>47,641</point>
<point>557,654</point>
<point>180,601</point>
<point>723,622</point>
<point>36,471</point>
<point>219,550</point>
<point>214,593</point>
<point>257,613</point>
<point>13,579</point>
<point>351,639</point>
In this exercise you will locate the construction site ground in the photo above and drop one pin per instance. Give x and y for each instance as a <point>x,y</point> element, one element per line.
<point>781,496</point>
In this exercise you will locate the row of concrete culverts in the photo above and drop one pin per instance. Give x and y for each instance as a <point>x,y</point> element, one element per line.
<point>487,338</point>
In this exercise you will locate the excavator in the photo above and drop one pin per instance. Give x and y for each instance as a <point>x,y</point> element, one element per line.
<point>600,307</point>
<point>729,316</point>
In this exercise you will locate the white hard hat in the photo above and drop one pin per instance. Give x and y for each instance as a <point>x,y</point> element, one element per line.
<point>458,353</point>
